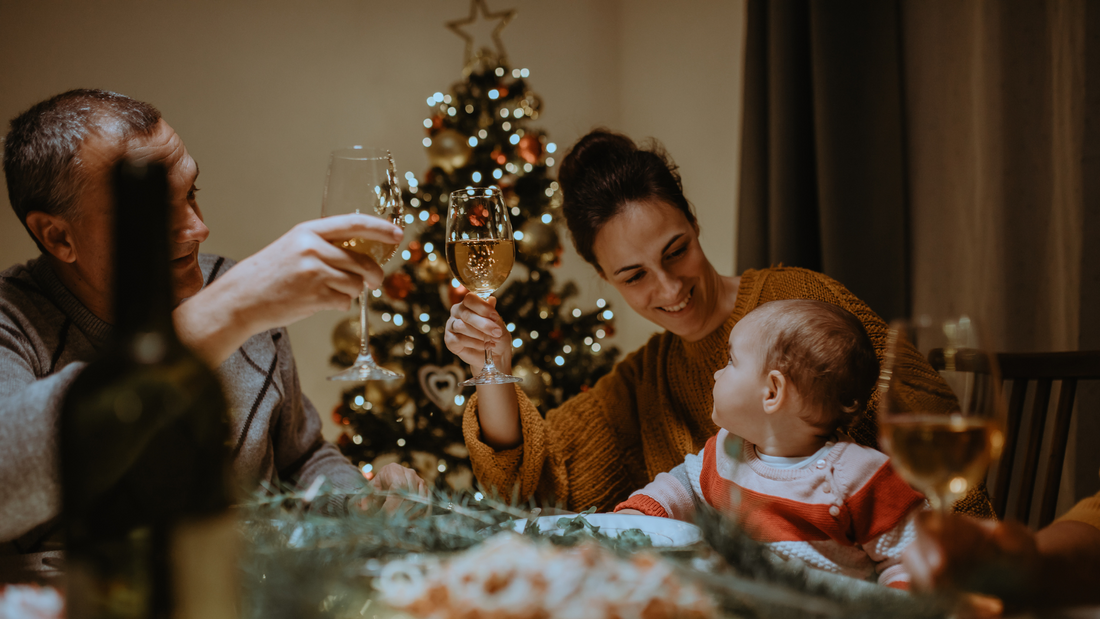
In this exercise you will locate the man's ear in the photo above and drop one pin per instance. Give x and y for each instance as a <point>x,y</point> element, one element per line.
<point>776,387</point>
<point>54,233</point>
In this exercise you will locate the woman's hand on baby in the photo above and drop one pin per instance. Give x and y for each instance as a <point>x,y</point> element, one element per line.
<point>475,325</point>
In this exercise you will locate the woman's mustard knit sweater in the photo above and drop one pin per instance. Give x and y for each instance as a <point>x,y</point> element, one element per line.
<point>654,408</point>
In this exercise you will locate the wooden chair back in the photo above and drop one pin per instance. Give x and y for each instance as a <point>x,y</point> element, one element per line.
<point>1042,369</point>
<point>1022,369</point>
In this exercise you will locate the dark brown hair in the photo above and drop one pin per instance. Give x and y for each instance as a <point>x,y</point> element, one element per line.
<point>605,170</point>
<point>825,352</point>
<point>42,162</point>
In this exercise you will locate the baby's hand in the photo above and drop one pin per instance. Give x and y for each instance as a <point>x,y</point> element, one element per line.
<point>394,478</point>
<point>632,512</point>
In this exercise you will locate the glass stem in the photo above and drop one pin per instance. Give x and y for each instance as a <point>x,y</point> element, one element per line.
<point>489,367</point>
<point>364,335</point>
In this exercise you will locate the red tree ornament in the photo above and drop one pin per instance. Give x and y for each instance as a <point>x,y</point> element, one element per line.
<point>416,251</point>
<point>456,294</point>
<point>397,285</point>
<point>530,148</point>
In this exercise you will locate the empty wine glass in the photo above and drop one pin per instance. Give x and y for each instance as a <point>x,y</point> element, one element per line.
<point>481,252</point>
<point>364,180</point>
<point>941,425</point>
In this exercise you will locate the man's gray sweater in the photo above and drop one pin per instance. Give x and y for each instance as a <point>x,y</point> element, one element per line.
<point>47,336</point>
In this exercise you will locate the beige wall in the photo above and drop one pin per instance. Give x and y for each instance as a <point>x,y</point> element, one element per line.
<point>261,91</point>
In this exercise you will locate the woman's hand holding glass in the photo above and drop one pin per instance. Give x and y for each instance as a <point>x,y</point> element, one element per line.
<point>481,253</point>
<point>475,326</point>
<point>472,327</point>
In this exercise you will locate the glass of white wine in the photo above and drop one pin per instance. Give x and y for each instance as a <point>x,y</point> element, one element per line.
<point>481,252</point>
<point>364,180</point>
<point>941,426</point>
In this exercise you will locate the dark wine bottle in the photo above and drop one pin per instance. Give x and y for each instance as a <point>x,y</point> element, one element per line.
<point>146,491</point>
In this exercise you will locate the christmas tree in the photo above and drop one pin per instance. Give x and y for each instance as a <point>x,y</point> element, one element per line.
<point>478,134</point>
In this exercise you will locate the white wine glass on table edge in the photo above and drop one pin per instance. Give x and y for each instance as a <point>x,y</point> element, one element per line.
<point>481,252</point>
<point>940,438</point>
<point>364,180</point>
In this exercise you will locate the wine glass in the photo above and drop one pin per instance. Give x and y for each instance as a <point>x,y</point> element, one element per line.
<point>364,180</point>
<point>480,252</point>
<point>941,425</point>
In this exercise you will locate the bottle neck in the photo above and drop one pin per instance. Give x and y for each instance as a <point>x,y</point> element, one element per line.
<point>142,283</point>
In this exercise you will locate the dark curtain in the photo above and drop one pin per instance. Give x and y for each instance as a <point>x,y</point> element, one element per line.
<point>1088,404</point>
<point>823,183</point>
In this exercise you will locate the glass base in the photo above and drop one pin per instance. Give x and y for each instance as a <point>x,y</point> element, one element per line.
<point>493,377</point>
<point>365,369</point>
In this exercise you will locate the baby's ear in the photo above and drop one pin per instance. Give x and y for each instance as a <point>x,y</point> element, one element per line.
<point>775,393</point>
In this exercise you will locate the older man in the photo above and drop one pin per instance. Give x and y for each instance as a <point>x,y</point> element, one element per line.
<point>55,310</point>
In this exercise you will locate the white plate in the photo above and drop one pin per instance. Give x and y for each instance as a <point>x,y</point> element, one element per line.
<point>663,531</point>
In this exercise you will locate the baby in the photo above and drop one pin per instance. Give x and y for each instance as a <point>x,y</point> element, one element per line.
<point>798,373</point>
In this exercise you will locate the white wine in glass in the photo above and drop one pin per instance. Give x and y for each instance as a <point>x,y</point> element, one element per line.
<point>379,251</point>
<point>364,180</point>
<point>942,425</point>
<point>481,252</point>
<point>483,265</point>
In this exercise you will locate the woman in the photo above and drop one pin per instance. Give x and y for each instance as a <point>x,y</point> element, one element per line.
<point>628,217</point>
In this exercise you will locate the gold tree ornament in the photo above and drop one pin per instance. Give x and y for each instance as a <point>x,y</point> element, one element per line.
<point>504,17</point>
<point>449,151</point>
<point>534,381</point>
<point>433,271</point>
<point>539,240</point>
<point>345,339</point>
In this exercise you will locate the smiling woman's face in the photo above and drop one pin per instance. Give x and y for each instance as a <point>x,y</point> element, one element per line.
<point>651,254</point>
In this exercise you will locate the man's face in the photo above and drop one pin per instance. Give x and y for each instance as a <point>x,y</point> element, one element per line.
<point>93,225</point>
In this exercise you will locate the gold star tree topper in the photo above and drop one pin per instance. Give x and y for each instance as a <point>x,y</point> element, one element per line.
<point>503,18</point>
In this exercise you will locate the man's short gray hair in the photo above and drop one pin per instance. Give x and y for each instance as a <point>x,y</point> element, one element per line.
<point>42,161</point>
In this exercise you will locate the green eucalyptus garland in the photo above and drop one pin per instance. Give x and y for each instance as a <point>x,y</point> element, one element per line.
<point>299,563</point>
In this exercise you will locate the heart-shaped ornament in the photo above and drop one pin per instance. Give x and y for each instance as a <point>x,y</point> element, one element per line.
<point>441,384</point>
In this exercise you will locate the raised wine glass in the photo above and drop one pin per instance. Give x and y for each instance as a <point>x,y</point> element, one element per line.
<point>942,427</point>
<point>364,180</point>
<point>481,252</point>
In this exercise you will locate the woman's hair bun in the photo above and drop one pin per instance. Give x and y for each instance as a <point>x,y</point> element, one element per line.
<point>604,171</point>
<point>598,146</point>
